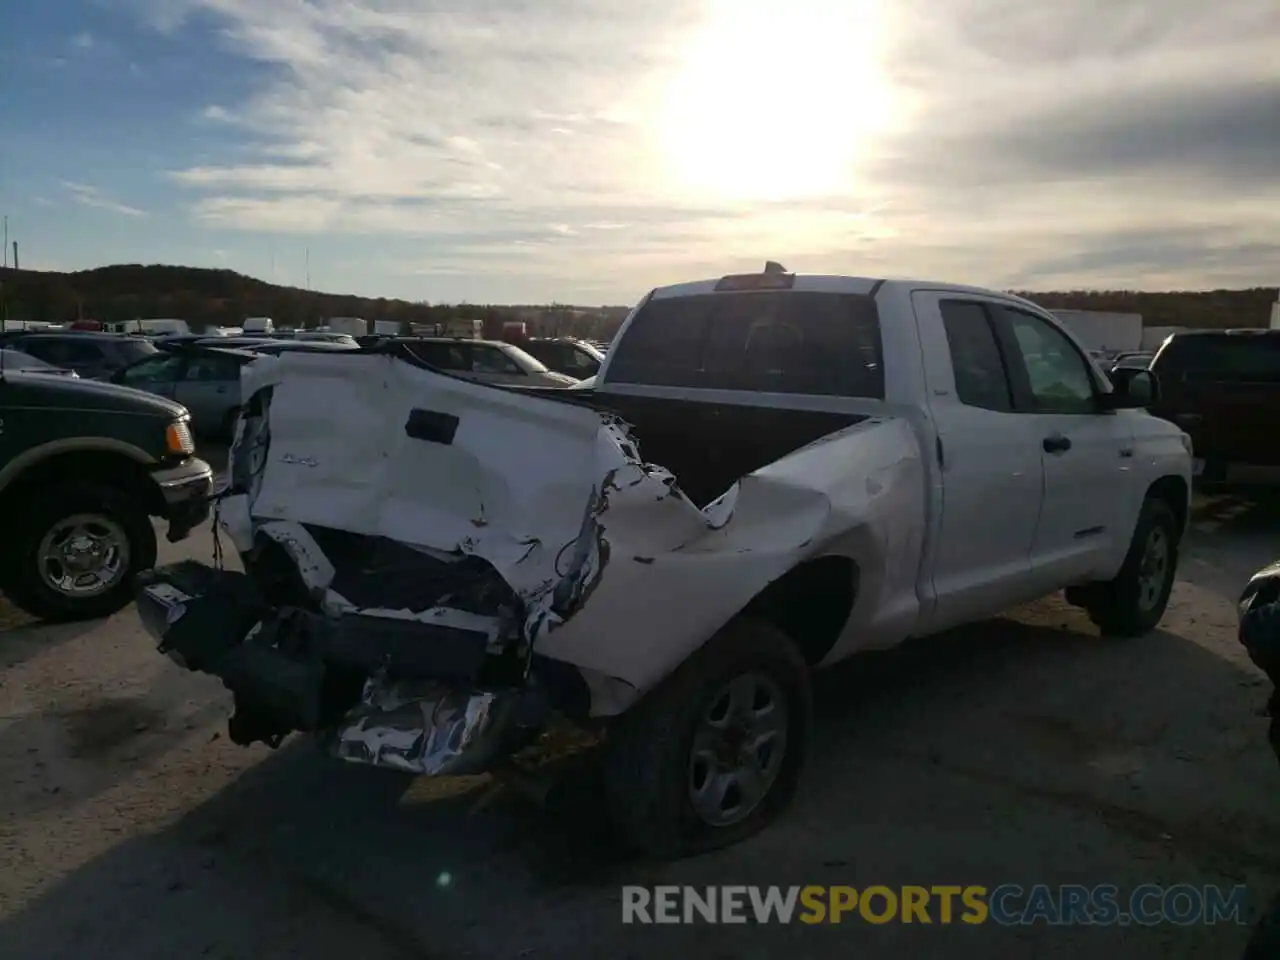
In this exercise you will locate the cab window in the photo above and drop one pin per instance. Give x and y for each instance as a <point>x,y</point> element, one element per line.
<point>1057,374</point>
<point>158,369</point>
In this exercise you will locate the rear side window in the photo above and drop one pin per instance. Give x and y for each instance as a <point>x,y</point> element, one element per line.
<point>211,368</point>
<point>1237,358</point>
<point>133,348</point>
<point>981,377</point>
<point>443,356</point>
<point>786,342</point>
<point>492,360</point>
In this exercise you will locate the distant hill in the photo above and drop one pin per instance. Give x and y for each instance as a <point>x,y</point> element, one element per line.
<point>207,298</point>
<point>224,298</point>
<point>1209,309</point>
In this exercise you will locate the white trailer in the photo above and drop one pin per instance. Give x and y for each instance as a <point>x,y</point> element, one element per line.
<point>386,328</point>
<point>1104,332</point>
<point>354,326</point>
<point>1275,315</point>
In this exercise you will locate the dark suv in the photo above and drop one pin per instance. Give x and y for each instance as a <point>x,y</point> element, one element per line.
<point>83,468</point>
<point>1223,388</point>
<point>95,356</point>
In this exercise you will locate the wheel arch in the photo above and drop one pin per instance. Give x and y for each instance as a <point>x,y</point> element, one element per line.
<point>104,461</point>
<point>1173,490</point>
<point>811,603</point>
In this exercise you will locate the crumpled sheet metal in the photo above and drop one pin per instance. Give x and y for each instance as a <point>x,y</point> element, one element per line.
<point>418,728</point>
<point>621,574</point>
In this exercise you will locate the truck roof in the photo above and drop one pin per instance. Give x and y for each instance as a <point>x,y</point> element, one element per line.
<point>831,283</point>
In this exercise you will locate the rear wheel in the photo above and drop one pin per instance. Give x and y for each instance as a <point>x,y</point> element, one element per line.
<point>1134,602</point>
<point>76,551</point>
<point>714,753</point>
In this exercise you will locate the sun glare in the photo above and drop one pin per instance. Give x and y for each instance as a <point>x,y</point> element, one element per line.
<point>776,98</point>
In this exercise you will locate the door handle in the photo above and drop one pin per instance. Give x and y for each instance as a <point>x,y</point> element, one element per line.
<point>1057,444</point>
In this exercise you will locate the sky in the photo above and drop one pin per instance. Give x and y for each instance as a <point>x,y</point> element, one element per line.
<point>584,151</point>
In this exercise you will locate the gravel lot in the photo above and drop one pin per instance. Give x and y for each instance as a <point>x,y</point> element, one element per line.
<point>1024,749</point>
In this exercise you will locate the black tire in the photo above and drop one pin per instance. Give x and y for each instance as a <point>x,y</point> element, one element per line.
<point>25,584</point>
<point>647,755</point>
<point>1121,607</point>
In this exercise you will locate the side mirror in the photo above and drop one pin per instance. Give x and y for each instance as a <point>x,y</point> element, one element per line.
<point>1132,389</point>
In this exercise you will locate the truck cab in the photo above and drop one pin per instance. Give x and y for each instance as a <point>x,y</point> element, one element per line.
<point>1037,470</point>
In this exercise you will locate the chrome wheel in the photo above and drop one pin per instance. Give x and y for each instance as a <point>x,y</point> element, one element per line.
<point>738,749</point>
<point>1154,569</point>
<point>84,555</point>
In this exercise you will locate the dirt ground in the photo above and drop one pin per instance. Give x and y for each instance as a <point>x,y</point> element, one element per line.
<point>1025,749</point>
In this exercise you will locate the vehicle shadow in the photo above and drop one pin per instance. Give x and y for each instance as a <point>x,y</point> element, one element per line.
<point>23,637</point>
<point>928,760</point>
<point>1231,536</point>
<point>69,751</point>
<point>1251,508</point>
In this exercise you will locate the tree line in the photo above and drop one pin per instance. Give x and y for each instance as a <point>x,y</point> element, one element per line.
<point>206,298</point>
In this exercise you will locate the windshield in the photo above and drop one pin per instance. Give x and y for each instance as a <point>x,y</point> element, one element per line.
<point>529,363</point>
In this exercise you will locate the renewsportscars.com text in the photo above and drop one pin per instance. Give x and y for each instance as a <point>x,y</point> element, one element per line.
<point>1005,905</point>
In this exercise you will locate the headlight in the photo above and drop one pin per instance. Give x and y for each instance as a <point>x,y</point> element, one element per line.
<point>177,438</point>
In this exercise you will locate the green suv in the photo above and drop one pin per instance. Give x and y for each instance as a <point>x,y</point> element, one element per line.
<point>84,465</point>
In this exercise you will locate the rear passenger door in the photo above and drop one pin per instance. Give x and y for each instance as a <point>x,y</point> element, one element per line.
<point>991,474</point>
<point>491,365</point>
<point>210,389</point>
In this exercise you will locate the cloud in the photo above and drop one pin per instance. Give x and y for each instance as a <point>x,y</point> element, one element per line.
<point>983,140</point>
<point>83,41</point>
<point>90,196</point>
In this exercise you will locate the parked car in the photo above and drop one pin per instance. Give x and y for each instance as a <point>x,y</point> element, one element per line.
<point>17,360</point>
<point>486,361</point>
<point>95,356</point>
<point>205,380</point>
<point>433,567</point>
<point>1223,388</point>
<point>272,345</point>
<point>325,336</point>
<point>83,467</point>
<point>291,346</point>
<point>574,358</point>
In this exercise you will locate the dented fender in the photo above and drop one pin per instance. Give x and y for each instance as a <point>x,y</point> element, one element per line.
<point>616,571</point>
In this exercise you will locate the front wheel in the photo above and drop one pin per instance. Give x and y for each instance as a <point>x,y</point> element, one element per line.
<point>713,754</point>
<point>1134,602</point>
<point>76,551</point>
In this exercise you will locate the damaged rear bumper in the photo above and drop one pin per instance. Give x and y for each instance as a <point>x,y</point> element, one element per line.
<point>402,694</point>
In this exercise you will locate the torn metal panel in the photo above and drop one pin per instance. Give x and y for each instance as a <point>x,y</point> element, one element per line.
<point>424,728</point>
<point>605,563</point>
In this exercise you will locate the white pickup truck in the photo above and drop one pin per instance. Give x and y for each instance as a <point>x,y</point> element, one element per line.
<point>434,567</point>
